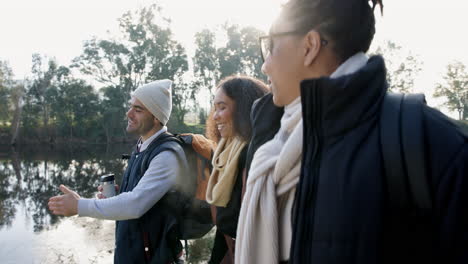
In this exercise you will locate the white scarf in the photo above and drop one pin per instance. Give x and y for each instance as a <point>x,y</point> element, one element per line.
<point>264,230</point>
<point>273,176</point>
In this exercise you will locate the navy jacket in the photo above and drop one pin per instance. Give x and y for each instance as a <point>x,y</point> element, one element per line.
<point>340,208</point>
<point>340,205</point>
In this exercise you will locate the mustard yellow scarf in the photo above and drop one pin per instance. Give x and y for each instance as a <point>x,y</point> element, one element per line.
<point>224,174</point>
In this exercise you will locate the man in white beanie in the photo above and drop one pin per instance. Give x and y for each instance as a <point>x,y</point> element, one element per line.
<point>144,233</point>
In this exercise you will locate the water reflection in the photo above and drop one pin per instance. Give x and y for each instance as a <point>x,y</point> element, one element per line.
<point>29,233</point>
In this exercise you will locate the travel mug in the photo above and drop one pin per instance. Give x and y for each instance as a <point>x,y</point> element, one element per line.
<point>108,188</point>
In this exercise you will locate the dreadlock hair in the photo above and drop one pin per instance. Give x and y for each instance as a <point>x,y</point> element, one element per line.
<point>349,25</point>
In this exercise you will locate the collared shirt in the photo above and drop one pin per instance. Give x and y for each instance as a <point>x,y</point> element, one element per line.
<point>142,145</point>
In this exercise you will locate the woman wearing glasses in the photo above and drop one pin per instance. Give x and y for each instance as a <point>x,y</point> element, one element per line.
<point>316,187</point>
<point>229,125</point>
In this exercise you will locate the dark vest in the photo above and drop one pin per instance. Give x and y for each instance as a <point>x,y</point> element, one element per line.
<point>158,227</point>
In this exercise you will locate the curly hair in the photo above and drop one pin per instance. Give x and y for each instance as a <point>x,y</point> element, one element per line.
<point>243,90</point>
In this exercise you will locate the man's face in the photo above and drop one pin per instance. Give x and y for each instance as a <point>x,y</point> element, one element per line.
<point>140,120</point>
<point>283,64</point>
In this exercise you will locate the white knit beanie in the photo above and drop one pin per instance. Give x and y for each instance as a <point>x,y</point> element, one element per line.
<point>156,97</point>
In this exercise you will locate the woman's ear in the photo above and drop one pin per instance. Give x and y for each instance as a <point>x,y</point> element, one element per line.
<point>311,47</point>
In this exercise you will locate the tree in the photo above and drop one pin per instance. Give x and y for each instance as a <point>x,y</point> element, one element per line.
<point>455,89</point>
<point>74,106</point>
<point>206,65</point>
<point>42,81</point>
<point>251,55</point>
<point>56,104</point>
<point>11,94</point>
<point>112,109</point>
<point>402,68</point>
<point>230,55</point>
<point>146,51</point>
<point>183,93</point>
<point>17,94</point>
<point>6,83</point>
<point>240,54</point>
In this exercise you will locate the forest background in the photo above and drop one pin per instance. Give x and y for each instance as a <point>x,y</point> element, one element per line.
<point>85,101</point>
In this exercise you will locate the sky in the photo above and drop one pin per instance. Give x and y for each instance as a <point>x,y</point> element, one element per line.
<point>433,30</point>
<point>57,28</point>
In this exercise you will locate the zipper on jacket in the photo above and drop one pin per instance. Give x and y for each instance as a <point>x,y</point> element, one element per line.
<point>310,198</point>
<point>316,156</point>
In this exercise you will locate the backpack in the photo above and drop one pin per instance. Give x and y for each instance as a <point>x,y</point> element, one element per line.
<point>408,235</point>
<point>186,199</point>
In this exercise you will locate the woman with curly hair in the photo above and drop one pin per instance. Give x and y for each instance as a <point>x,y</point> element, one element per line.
<point>229,125</point>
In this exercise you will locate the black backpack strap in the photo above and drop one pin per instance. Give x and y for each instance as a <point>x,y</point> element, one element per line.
<point>408,232</point>
<point>157,146</point>
<point>402,140</point>
<point>390,140</point>
<point>414,150</point>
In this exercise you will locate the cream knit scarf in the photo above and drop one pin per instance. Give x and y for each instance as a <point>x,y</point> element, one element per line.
<point>224,174</point>
<point>273,175</point>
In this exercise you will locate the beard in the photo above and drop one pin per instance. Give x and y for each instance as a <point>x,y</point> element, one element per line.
<point>140,128</point>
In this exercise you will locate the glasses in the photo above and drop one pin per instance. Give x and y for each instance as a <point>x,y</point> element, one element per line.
<point>266,42</point>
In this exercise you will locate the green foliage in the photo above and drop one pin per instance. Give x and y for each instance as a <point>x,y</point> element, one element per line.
<point>112,111</point>
<point>183,93</point>
<point>58,107</point>
<point>402,68</point>
<point>252,58</point>
<point>202,116</point>
<point>74,108</point>
<point>205,59</point>
<point>230,61</point>
<point>30,119</point>
<point>240,54</point>
<point>146,52</point>
<point>455,89</point>
<point>6,76</point>
<point>38,93</point>
<point>200,249</point>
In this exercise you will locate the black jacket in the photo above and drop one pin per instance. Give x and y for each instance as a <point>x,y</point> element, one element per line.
<point>228,217</point>
<point>266,121</point>
<point>340,206</point>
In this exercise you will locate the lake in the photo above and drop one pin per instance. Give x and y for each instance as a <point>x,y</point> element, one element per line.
<point>29,233</point>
